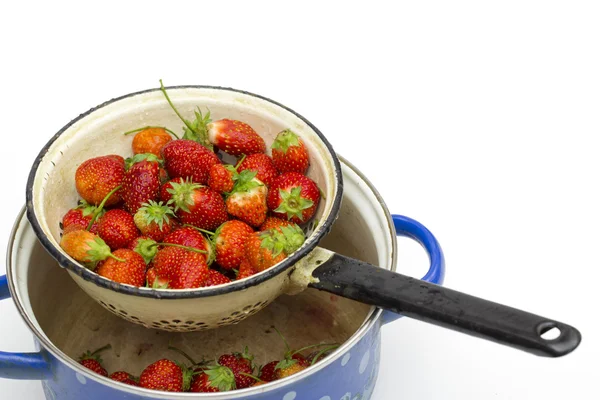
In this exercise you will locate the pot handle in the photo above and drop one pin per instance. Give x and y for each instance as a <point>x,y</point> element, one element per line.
<point>31,366</point>
<point>410,228</point>
<point>432,303</point>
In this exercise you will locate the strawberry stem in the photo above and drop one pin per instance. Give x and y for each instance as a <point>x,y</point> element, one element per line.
<point>240,162</point>
<point>111,255</point>
<point>101,207</point>
<point>323,351</point>
<point>313,346</point>
<point>150,127</point>
<point>162,88</point>
<point>101,349</point>
<point>200,229</point>
<point>183,247</point>
<point>282,338</point>
<point>190,359</point>
<point>252,376</point>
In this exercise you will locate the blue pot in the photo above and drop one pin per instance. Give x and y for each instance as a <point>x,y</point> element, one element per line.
<point>349,373</point>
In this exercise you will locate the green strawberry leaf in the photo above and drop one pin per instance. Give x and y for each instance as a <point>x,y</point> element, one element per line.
<point>181,194</point>
<point>130,161</point>
<point>220,377</point>
<point>285,363</point>
<point>284,140</point>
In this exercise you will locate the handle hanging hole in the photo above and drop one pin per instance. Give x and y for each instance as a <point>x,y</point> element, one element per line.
<point>550,333</point>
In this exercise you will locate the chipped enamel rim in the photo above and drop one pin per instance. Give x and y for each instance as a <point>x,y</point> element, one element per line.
<point>369,323</point>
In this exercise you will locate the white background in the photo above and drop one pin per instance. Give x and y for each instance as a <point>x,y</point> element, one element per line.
<point>479,119</point>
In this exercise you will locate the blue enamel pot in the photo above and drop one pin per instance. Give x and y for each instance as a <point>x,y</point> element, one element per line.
<point>66,322</point>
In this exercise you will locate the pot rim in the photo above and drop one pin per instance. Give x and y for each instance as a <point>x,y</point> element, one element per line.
<point>370,321</point>
<point>165,294</point>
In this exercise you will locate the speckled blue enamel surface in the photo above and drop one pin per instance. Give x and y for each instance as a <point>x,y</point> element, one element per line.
<point>352,376</point>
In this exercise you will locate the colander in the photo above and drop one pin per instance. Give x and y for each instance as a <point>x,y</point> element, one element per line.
<point>51,192</point>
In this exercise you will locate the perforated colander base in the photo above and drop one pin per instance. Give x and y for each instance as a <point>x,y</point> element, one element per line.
<point>177,325</point>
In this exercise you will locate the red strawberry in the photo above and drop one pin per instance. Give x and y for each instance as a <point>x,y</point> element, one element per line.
<point>145,247</point>
<point>267,248</point>
<point>239,364</point>
<point>190,237</point>
<point>153,281</point>
<point>220,178</point>
<point>246,270</point>
<point>124,377</point>
<point>214,378</point>
<point>131,270</point>
<point>85,247</point>
<point>215,278</point>
<point>164,194</point>
<point>235,137</point>
<point>262,164</point>
<point>188,159</point>
<point>247,202</point>
<point>201,383</point>
<point>289,153</point>
<point>268,373</point>
<point>79,218</point>
<point>154,220</point>
<point>92,361</point>
<point>293,196</point>
<point>229,241</point>
<point>97,177</point>
<point>198,205</point>
<point>141,183</point>
<point>180,268</point>
<point>274,222</point>
<point>117,228</point>
<point>150,140</point>
<point>167,376</point>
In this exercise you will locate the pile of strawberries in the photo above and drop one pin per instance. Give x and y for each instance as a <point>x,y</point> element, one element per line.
<point>175,216</point>
<point>229,372</point>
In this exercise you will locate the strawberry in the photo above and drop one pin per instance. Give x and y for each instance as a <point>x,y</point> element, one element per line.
<point>92,361</point>
<point>262,164</point>
<point>290,365</point>
<point>124,377</point>
<point>221,178</point>
<point>150,140</point>
<point>153,281</point>
<point>274,222</point>
<point>268,373</point>
<point>197,205</point>
<point>235,137</point>
<point>180,268</point>
<point>214,378</point>
<point>188,159</point>
<point>201,383</point>
<point>267,248</point>
<point>97,177</point>
<point>246,270</point>
<point>215,278</point>
<point>289,153</point>
<point>141,182</point>
<point>85,247</point>
<point>145,247</point>
<point>241,366</point>
<point>190,237</point>
<point>167,376</point>
<point>163,193</point>
<point>117,228</point>
<point>293,196</point>
<point>154,220</point>
<point>247,201</point>
<point>79,218</point>
<point>229,240</point>
<point>131,271</point>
